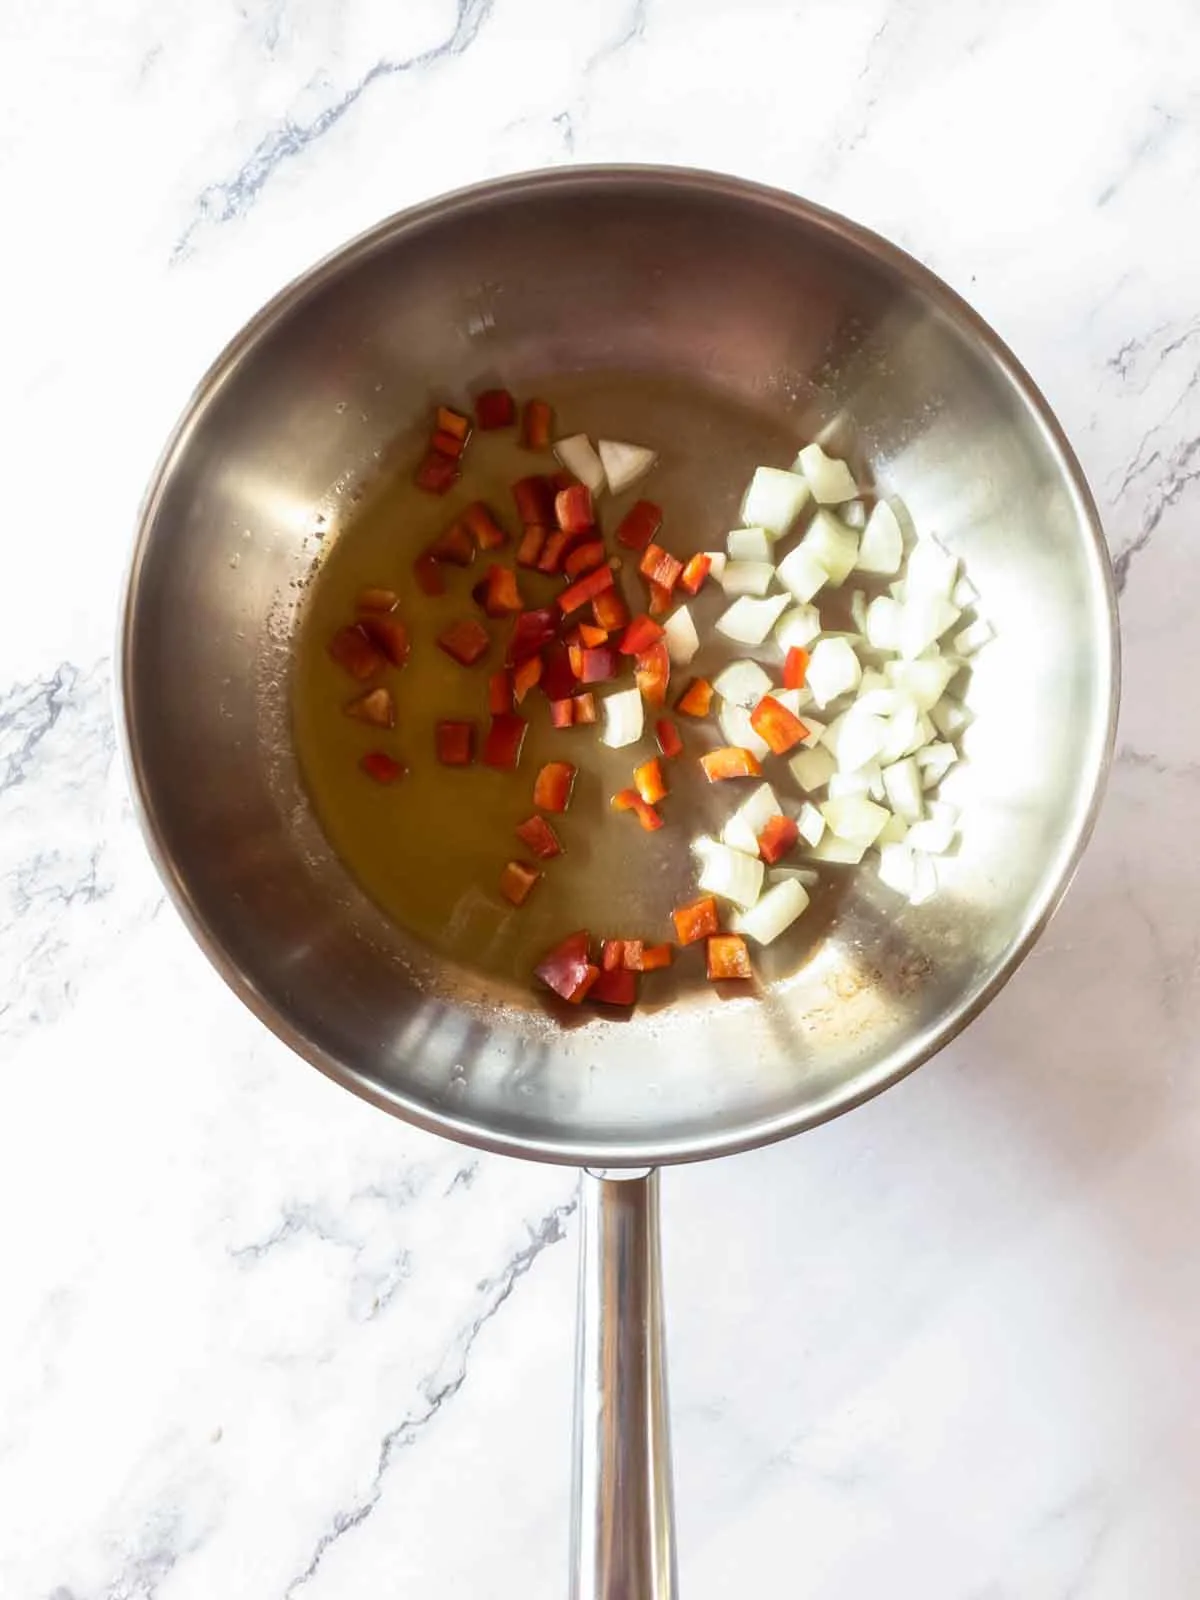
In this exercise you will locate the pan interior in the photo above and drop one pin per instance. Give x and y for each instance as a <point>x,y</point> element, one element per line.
<point>722,324</point>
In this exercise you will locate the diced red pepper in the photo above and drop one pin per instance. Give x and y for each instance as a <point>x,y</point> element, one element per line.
<point>585,557</point>
<point>795,668</point>
<point>617,988</point>
<point>455,743</point>
<point>652,669</point>
<point>649,782</point>
<point>500,692</point>
<point>388,634</point>
<point>558,676</point>
<point>641,633</point>
<point>555,548</point>
<point>631,954</point>
<point>660,601</point>
<point>536,833</point>
<point>591,636</point>
<point>655,956</point>
<point>502,747</point>
<point>445,444</point>
<point>585,589</point>
<point>525,676</point>
<point>428,574</point>
<point>455,546</point>
<point>585,708</point>
<point>377,601</point>
<point>452,422</point>
<point>483,527</point>
<point>660,566</point>
<point>631,800</point>
<point>639,525</point>
<point>530,547</point>
<point>552,788</point>
<point>495,408</point>
<point>609,610</point>
<point>536,431</point>
<point>383,768</point>
<point>612,955</point>
<point>437,473</point>
<point>567,968</point>
<point>464,641</point>
<point>669,741</point>
<point>497,592</point>
<point>696,921</point>
<point>353,651</point>
<point>694,573</point>
<point>728,957</point>
<point>517,880</point>
<point>777,838</point>
<point>573,509</point>
<point>777,725</point>
<point>600,665</point>
<point>535,500</point>
<point>376,707</point>
<point>730,762</point>
<point>696,699</point>
<point>532,632</point>
<point>562,713</point>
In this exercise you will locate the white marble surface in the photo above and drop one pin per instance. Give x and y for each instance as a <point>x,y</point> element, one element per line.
<point>258,1340</point>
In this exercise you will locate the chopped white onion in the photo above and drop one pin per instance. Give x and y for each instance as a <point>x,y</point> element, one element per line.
<point>750,621</point>
<point>812,769</point>
<point>815,733</point>
<point>973,637</point>
<point>855,738</point>
<point>774,500</point>
<point>747,577</point>
<point>797,628</point>
<point>577,455</point>
<point>831,481</point>
<point>733,874</point>
<point>931,569</point>
<point>924,679</point>
<point>810,823</point>
<point>743,682</point>
<point>965,593</point>
<point>854,515</point>
<point>858,610</point>
<point>934,762</point>
<point>846,852</point>
<point>833,669</point>
<point>882,548</point>
<point>896,866</point>
<point>793,700</point>
<point>843,785</point>
<point>833,544</point>
<point>749,544</point>
<point>802,574</point>
<point>717,562</point>
<point>682,640</point>
<point>902,728</point>
<point>737,729</point>
<point>925,881</point>
<point>937,833</point>
<point>808,876</point>
<point>775,912</point>
<point>624,464</point>
<point>854,818</point>
<point>624,718</point>
<point>924,734</point>
<point>872,701</point>
<point>872,680</point>
<point>743,827</point>
<point>950,717</point>
<point>902,786</point>
<point>924,618</point>
<point>894,831</point>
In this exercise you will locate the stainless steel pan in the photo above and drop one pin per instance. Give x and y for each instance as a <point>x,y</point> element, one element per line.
<point>778,306</point>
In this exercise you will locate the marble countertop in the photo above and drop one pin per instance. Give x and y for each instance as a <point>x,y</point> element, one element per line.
<point>259,1340</point>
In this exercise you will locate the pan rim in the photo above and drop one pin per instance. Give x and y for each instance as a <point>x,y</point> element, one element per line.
<point>768,1129</point>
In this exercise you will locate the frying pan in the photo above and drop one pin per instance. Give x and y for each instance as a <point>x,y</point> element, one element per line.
<point>789,314</point>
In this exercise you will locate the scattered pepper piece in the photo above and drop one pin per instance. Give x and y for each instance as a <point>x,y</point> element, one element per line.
<point>728,957</point>
<point>777,838</point>
<point>631,800</point>
<point>464,641</point>
<point>517,879</point>
<point>696,699</point>
<point>383,768</point>
<point>505,736</point>
<point>639,525</point>
<point>730,762</point>
<point>455,743</point>
<point>776,724</point>
<point>495,408</point>
<point>660,566</point>
<point>795,667</point>
<point>649,781</point>
<point>354,652</point>
<point>553,785</point>
<point>695,572</point>
<point>669,740</point>
<point>535,434</point>
<point>697,920</point>
<point>537,834</point>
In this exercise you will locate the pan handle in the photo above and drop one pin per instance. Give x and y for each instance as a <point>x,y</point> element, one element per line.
<point>622,1522</point>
